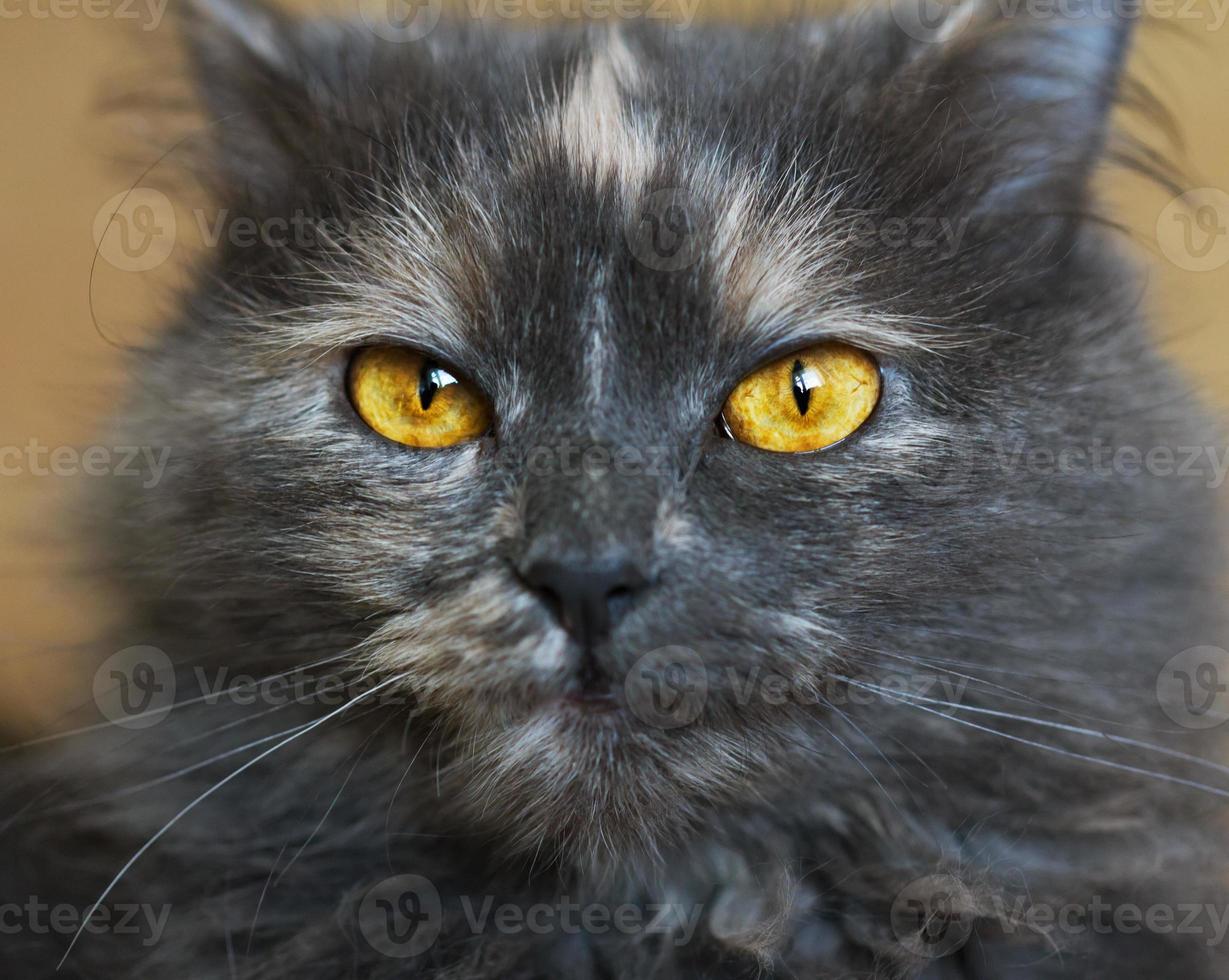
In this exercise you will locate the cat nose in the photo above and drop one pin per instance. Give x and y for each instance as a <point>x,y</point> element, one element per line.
<point>588,597</point>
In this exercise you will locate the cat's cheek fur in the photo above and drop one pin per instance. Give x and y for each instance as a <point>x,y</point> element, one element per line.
<point>494,187</point>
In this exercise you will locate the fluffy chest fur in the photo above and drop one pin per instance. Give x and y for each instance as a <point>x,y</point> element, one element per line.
<point>926,661</point>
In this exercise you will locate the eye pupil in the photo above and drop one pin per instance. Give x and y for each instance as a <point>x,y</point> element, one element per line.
<point>430,381</point>
<point>805,401</point>
<point>802,387</point>
<point>409,398</point>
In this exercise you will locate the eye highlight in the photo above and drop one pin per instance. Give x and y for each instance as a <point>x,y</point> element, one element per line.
<point>409,398</point>
<point>806,401</point>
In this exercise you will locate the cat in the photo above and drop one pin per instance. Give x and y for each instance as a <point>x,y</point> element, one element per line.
<point>602,670</point>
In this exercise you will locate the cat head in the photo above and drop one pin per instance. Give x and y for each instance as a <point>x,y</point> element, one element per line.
<point>583,242</point>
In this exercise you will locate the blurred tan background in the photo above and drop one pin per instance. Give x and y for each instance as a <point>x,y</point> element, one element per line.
<point>60,379</point>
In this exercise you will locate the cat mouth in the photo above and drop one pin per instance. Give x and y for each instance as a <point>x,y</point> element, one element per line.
<point>588,699</point>
<point>591,690</point>
<point>596,702</point>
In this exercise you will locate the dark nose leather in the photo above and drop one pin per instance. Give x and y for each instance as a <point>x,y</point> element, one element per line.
<point>587,596</point>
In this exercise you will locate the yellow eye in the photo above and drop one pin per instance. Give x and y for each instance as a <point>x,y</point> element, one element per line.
<point>409,398</point>
<point>806,401</point>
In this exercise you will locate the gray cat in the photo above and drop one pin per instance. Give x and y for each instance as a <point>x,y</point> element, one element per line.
<point>693,507</point>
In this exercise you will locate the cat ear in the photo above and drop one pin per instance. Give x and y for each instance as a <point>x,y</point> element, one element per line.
<point>265,92</point>
<point>237,49</point>
<point>1020,95</point>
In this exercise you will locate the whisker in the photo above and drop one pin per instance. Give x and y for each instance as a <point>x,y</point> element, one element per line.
<point>878,751</point>
<point>168,777</point>
<point>856,758</point>
<point>312,836</point>
<point>1107,763</point>
<point>261,900</point>
<point>204,796</point>
<point>103,725</point>
<point>1077,730</point>
<point>388,814</point>
<point>991,687</point>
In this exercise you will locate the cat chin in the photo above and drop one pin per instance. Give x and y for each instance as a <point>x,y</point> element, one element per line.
<point>584,787</point>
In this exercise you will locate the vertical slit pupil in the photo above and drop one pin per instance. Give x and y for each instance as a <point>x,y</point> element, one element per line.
<point>802,393</point>
<point>429,382</point>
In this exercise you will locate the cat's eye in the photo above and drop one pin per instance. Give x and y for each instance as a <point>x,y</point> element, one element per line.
<point>409,398</point>
<point>809,400</point>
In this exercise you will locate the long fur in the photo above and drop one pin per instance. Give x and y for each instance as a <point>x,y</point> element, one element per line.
<point>482,192</point>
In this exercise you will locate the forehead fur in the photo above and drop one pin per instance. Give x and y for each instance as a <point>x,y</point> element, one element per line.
<point>490,216</point>
<point>602,137</point>
<point>601,128</point>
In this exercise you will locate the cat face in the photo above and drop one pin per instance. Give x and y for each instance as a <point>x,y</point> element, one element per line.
<point>615,613</point>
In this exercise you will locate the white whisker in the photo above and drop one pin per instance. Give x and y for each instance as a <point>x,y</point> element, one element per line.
<point>1071,729</point>
<point>1107,763</point>
<point>204,796</point>
<point>212,696</point>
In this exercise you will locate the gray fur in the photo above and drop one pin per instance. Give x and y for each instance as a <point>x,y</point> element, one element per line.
<point>486,182</point>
